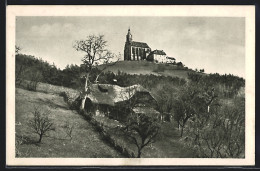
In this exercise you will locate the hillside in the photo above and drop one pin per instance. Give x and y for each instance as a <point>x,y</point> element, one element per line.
<point>85,142</point>
<point>145,67</point>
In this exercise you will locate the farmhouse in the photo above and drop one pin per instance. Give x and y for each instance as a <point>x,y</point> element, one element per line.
<point>119,102</point>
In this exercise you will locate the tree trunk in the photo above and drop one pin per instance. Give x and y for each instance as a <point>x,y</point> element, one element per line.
<point>40,138</point>
<point>182,131</point>
<point>139,153</point>
<point>83,100</point>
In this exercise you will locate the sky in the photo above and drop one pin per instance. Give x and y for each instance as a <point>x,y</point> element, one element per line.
<point>216,44</point>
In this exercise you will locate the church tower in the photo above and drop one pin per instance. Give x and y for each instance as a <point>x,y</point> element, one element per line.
<point>129,36</point>
<point>127,50</point>
<point>135,51</point>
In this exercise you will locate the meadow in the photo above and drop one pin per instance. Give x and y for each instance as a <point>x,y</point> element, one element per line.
<point>85,141</point>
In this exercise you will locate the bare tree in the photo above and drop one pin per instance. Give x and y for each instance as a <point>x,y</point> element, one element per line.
<point>35,78</point>
<point>17,49</point>
<point>184,106</point>
<point>41,123</point>
<point>220,133</point>
<point>19,69</point>
<point>69,130</point>
<point>96,53</point>
<point>142,132</point>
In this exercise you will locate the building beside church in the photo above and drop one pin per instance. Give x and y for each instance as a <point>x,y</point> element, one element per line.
<point>157,56</point>
<point>135,50</point>
<point>170,60</point>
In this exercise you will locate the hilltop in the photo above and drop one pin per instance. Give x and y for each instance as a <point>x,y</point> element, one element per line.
<point>147,68</point>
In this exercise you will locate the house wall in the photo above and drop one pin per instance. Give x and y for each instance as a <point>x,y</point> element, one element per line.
<point>159,58</point>
<point>170,60</point>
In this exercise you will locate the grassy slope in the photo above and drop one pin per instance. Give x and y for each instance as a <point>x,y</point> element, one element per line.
<point>85,142</point>
<point>167,143</point>
<point>144,67</point>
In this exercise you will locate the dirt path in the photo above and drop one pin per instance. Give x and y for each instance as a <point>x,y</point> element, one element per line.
<point>86,143</point>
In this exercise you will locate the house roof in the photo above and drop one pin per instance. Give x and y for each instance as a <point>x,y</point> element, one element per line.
<point>172,58</point>
<point>159,52</point>
<point>111,94</point>
<point>145,110</point>
<point>139,44</point>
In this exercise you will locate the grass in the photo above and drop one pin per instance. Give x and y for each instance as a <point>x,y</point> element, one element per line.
<point>167,144</point>
<point>52,89</point>
<point>85,142</point>
<point>145,67</point>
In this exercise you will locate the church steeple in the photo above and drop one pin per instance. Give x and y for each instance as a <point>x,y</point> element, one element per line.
<point>129,36</point>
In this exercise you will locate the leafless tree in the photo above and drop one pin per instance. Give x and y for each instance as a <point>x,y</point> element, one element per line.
<point>41,123</point>
<point>35,78</point>
<point>19,70</point>
<point>142,132</point>
<point>96,53</point>
<point>17,49</point>
<point>219,133</point>
<point>69,130</point>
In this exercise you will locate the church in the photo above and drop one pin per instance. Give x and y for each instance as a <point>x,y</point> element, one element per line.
<point>135,51</point>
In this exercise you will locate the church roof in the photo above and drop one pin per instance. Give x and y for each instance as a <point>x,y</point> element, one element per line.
<point>159,52</point>
<point>139,44</point>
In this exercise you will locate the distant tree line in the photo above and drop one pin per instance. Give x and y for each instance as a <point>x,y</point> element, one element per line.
<point>30,68</point>
<point>27,66</point>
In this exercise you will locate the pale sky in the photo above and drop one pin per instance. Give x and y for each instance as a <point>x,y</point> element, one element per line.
<point>216,44</point>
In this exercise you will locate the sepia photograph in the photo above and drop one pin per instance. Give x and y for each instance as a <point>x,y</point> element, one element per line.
<point>130,85</point>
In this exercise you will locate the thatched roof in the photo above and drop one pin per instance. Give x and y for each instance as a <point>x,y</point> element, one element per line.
<point>112,94</point>
<point>145,110</point>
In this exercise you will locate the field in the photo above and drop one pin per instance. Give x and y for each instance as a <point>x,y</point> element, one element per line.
<point>85,142</point>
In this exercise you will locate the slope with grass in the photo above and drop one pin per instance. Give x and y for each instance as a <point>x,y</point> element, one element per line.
<point>168,142</point>
<point>146,68</point>
<point>85,141</point>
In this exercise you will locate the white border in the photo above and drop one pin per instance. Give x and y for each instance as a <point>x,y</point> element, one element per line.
<point>211,11</point>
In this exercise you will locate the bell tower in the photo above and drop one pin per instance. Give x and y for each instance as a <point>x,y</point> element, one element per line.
<point>127,50</point>
<point>129,36</point>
